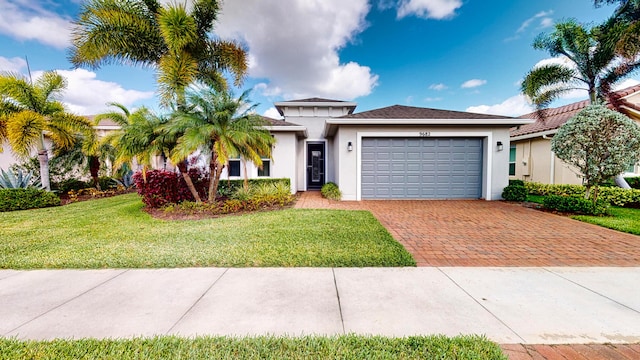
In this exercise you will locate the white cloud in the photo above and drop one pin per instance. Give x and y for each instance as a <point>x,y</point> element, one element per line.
<point>428,9</point>
<point>26,20</point>
<point>543,16</point>
<point>294,45</point>
<point>15,64</point>
<point>432,99</point>
<point>513,106</point>
<point>473,83</point>
<point>273,113</point>
<point>438,87</point>
<point>86,95</point>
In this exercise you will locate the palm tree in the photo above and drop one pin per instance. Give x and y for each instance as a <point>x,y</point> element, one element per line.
<point>173,40</point>
<point>31,112</point>
<point>593,65</point>
<point>223,127</point>
<point>624,27</point>
<point>141,136</point>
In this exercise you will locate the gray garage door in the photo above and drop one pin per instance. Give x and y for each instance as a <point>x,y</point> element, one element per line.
<point>421,168</point>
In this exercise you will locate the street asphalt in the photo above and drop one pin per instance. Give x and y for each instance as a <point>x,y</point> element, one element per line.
<point>509,305</point>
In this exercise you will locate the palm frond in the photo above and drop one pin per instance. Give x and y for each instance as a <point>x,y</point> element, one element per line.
<point>24,131</point>
<point>545,84</point>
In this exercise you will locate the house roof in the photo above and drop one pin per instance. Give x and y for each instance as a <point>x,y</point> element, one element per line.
<point>281,125</point>
<point>315,99</point>
<point>411,112</point>
<point>553,118</point>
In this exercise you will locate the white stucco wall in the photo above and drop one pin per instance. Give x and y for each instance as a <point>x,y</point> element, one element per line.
<point>495,167</point>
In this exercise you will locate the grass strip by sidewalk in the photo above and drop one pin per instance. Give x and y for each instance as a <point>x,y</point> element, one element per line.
<point>116,233</point>
<point>310,347</point>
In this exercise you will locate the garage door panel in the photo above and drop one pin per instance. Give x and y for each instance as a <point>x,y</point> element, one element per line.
<point>434,168</point>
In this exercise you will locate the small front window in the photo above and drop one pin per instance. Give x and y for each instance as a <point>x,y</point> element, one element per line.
<point>266,168</point>
<point>234,167</point>
<point>512,160</point>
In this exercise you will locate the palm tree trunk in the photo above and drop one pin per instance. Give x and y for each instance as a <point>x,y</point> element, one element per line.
<point>214,175</point>
<point>213,185</point>
<point>182,166</point>
<point>43,158</point>
<point>246,177</point>
<point>94,168</point>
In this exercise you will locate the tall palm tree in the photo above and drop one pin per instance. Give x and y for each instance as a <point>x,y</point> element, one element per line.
<point>176,41</point>
<point>624,25</point>
<point>31,112</point>
<point>224,127</point>
<point>593,65</point>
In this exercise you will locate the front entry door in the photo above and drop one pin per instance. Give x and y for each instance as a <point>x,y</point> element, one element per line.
<point>315,166</point>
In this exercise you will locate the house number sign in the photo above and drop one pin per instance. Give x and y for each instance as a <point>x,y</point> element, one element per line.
<point>424,133</point>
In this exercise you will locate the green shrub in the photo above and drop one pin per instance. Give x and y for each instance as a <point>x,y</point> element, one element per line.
<point>227,187</point>
<point>331,191</point>
<point>107,182</point>
<point>613,195</point>
<point>17,179</point>
<point>514,193</point>
<point>23,199</point>
<point>71,185</point>
<point>575,205</point>
<point>516,182</point>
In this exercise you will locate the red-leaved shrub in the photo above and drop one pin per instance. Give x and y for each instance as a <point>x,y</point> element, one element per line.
<point>165,187</point>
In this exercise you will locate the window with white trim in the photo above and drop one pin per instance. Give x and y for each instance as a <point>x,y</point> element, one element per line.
<point>234,167</point>
<point>512,160</point>
<point>266,168</point>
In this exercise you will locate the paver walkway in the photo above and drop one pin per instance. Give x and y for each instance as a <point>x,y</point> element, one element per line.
<point>491,233</point>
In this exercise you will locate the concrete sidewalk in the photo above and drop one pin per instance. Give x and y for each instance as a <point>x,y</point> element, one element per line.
<point>509,305</point>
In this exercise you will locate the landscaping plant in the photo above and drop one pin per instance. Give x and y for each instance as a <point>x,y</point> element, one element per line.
<point>17,179</point>
<point>515,192</point>
<point>331,191</point>
<point>26,198</point>
<point>599,143</point>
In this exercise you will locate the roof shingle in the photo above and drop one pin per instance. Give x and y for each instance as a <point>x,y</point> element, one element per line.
<point>411,112</point>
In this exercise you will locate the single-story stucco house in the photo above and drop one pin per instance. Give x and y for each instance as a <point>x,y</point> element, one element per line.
<point>396,152</point>
<point>530,155</point>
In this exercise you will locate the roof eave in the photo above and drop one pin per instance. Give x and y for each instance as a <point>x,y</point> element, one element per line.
<point>534,135</point>
<point>331,125</point>
<point>300,131</point>
<point>338,104</point>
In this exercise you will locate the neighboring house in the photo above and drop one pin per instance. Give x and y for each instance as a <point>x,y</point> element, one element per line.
<point>397,152</point>
<point>530,155</point>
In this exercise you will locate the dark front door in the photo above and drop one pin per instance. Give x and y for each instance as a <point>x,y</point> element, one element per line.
<point>315,166</point>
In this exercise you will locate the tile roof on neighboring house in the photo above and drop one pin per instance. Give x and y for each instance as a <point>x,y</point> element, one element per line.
<point>556,117</point>
<point>411,112</point>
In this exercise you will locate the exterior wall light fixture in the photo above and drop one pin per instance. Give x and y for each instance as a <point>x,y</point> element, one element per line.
<point>500,146</point>
<point>349,146</point>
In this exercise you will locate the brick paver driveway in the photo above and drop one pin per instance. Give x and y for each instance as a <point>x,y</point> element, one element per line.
<point>493,233</point>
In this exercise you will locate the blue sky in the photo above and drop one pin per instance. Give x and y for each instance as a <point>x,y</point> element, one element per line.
<point>466,55</point>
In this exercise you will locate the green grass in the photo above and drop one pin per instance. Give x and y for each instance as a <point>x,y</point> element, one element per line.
<point>538,199</point>
<point>116,233</point>
<point>340,347</point>
<point>621,219</point>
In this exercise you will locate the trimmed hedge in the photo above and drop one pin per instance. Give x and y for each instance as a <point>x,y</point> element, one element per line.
<point>515,193</point>
<point>575,205</point>
<point>331,191</point>
<point>612,195</point>
<point>29,198</point>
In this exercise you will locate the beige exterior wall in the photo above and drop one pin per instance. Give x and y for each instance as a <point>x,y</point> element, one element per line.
<point>534,163</point>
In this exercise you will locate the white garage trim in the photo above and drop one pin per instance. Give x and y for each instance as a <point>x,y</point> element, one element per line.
<point>487,156</point>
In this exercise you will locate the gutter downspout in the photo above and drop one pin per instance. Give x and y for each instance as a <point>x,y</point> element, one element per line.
<point>552,171</point>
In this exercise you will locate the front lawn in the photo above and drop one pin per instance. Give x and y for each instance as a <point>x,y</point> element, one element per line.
<point>311,347</point>
<point>621,219</point>
<point>116,233</point>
